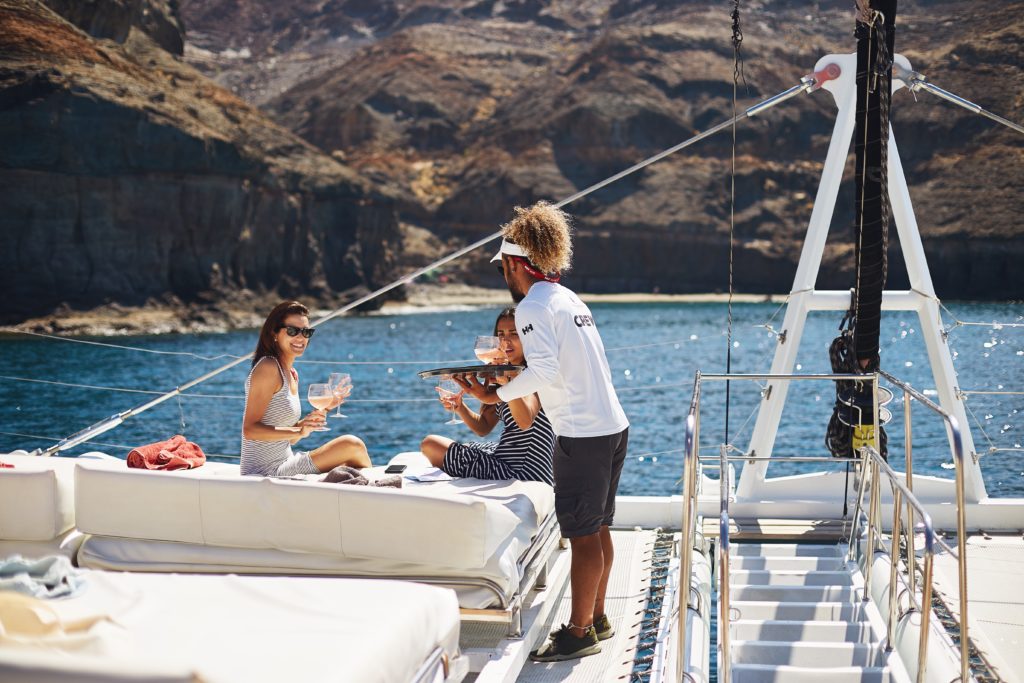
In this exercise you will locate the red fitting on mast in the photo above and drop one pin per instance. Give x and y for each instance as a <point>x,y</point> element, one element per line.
<point>829,73</point>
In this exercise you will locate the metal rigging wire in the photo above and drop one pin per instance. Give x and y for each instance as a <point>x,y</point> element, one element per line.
<point>737,41</point>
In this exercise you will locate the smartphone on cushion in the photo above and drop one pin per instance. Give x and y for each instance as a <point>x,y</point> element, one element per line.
<point>395,469</point>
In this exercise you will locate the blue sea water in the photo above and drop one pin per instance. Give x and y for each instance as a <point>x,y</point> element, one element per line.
<point>654,350</point>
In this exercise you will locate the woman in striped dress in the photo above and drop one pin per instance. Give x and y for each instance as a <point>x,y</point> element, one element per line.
<point>524,449</point>
<point>272,421</point>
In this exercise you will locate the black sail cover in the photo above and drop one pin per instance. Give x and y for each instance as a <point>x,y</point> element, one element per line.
<point>856,348</point>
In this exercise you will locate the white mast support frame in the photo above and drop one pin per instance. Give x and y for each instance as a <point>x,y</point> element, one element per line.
<point>804,298</point>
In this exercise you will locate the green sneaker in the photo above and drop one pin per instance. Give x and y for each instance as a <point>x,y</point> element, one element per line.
<point>564,645</point>
<point>602,625</point>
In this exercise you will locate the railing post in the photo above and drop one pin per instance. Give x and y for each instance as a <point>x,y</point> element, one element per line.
<point>894,557</point>
<point>859,508</point>
<point>875,413</point>
<point>869,556</point>
<point>961,545</point>
<point>926,611</point>
<point>723,569</point>
<point>686,554</point>
<point>909,457</point>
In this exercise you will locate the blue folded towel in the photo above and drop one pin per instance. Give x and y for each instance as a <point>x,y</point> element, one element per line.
<point>48,577</point>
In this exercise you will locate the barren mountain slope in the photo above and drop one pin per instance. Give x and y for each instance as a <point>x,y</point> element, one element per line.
<point>463,109</point>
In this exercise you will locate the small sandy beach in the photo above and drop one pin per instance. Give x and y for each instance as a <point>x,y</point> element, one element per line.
<point>113,320</point>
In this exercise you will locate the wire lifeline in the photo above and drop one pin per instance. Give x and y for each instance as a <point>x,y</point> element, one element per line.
<point>228,355</point>
<point>108,445</point>
<point>639,456</point>
<point>992,448</point>
<point>127,348</point>
<point>305,362</point>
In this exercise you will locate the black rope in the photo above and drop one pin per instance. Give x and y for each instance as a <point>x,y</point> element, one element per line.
<point>855,403</point>
<point>875,39</point>
<point>855,350</point>
<point>737,73</point>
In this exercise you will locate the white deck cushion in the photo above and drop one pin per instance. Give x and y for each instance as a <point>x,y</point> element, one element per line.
<point>446,524</point>
<point>530,502</point>
<point>162,627</point>
<point>36,498</point>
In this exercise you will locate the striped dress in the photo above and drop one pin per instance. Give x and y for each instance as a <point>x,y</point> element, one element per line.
<point>518,454</point>
<point>275,458</point>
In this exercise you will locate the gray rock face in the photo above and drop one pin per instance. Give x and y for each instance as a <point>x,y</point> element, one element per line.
<point>114,19</point>
<point>465,108</point>
<point>125,176</point>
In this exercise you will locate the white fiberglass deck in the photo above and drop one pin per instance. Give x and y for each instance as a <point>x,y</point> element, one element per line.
<point>995,564</point>
<point>627,594</point>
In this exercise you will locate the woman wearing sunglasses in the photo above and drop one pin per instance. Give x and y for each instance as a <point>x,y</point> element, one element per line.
<point>273,422</point>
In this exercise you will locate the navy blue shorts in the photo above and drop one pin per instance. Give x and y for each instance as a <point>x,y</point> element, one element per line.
<point>587,474</point>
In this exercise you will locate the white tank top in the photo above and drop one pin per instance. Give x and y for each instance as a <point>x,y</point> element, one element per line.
<point>284,410</point>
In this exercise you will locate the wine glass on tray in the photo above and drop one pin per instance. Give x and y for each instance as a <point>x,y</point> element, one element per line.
<point>488,349</point>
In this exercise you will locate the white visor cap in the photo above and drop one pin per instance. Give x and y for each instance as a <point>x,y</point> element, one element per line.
<point>510,249</point>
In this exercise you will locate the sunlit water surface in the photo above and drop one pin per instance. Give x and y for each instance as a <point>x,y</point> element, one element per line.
<point>653,350</point>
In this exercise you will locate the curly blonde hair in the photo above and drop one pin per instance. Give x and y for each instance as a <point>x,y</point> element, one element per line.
<point>543,231</point>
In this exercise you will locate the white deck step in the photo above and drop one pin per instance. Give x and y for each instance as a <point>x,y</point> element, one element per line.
<point>820,655</point>
<point>797,611</point>
<point>802,631</point>
<point>744,592</point>
<point>797,616</point>
<point>790,577</point>
<point>823,564</point>
<point>785,550</point>
<point>765,673</point>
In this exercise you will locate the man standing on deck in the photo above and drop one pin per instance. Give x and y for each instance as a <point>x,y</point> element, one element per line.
<point>567,368</point>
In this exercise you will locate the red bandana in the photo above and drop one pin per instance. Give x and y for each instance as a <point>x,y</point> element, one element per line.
<point>536,272</point>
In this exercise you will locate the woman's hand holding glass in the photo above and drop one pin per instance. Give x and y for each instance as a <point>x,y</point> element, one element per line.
<point>321,397</point>
<point>313,422</point>
<point>450,396</point>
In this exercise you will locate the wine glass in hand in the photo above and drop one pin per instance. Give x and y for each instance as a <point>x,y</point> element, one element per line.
<point>320,397</point>
<point>341,385</point>
<point>449,392</point>
<point>488,349</point>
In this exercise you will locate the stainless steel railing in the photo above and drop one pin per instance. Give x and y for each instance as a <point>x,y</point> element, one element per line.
<point>724,661</point>
<point>691,452</point>
<point>909,393</point>
<point>876,468</point>
<point>690,459</point>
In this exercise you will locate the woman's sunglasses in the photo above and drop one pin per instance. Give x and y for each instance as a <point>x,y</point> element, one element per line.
<point>293,331</point>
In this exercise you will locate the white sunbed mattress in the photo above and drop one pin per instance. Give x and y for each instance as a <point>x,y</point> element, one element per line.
<point>523,506</point>
<point>168,627</point>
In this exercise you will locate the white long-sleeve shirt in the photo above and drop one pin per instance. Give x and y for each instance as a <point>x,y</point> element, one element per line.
<point>566,364</point>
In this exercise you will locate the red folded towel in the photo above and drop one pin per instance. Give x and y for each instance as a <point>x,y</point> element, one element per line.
<point>173,454</point>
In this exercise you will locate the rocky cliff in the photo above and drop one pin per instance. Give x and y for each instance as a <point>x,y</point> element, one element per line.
<point>464,108</point>
<point>127,176</point>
